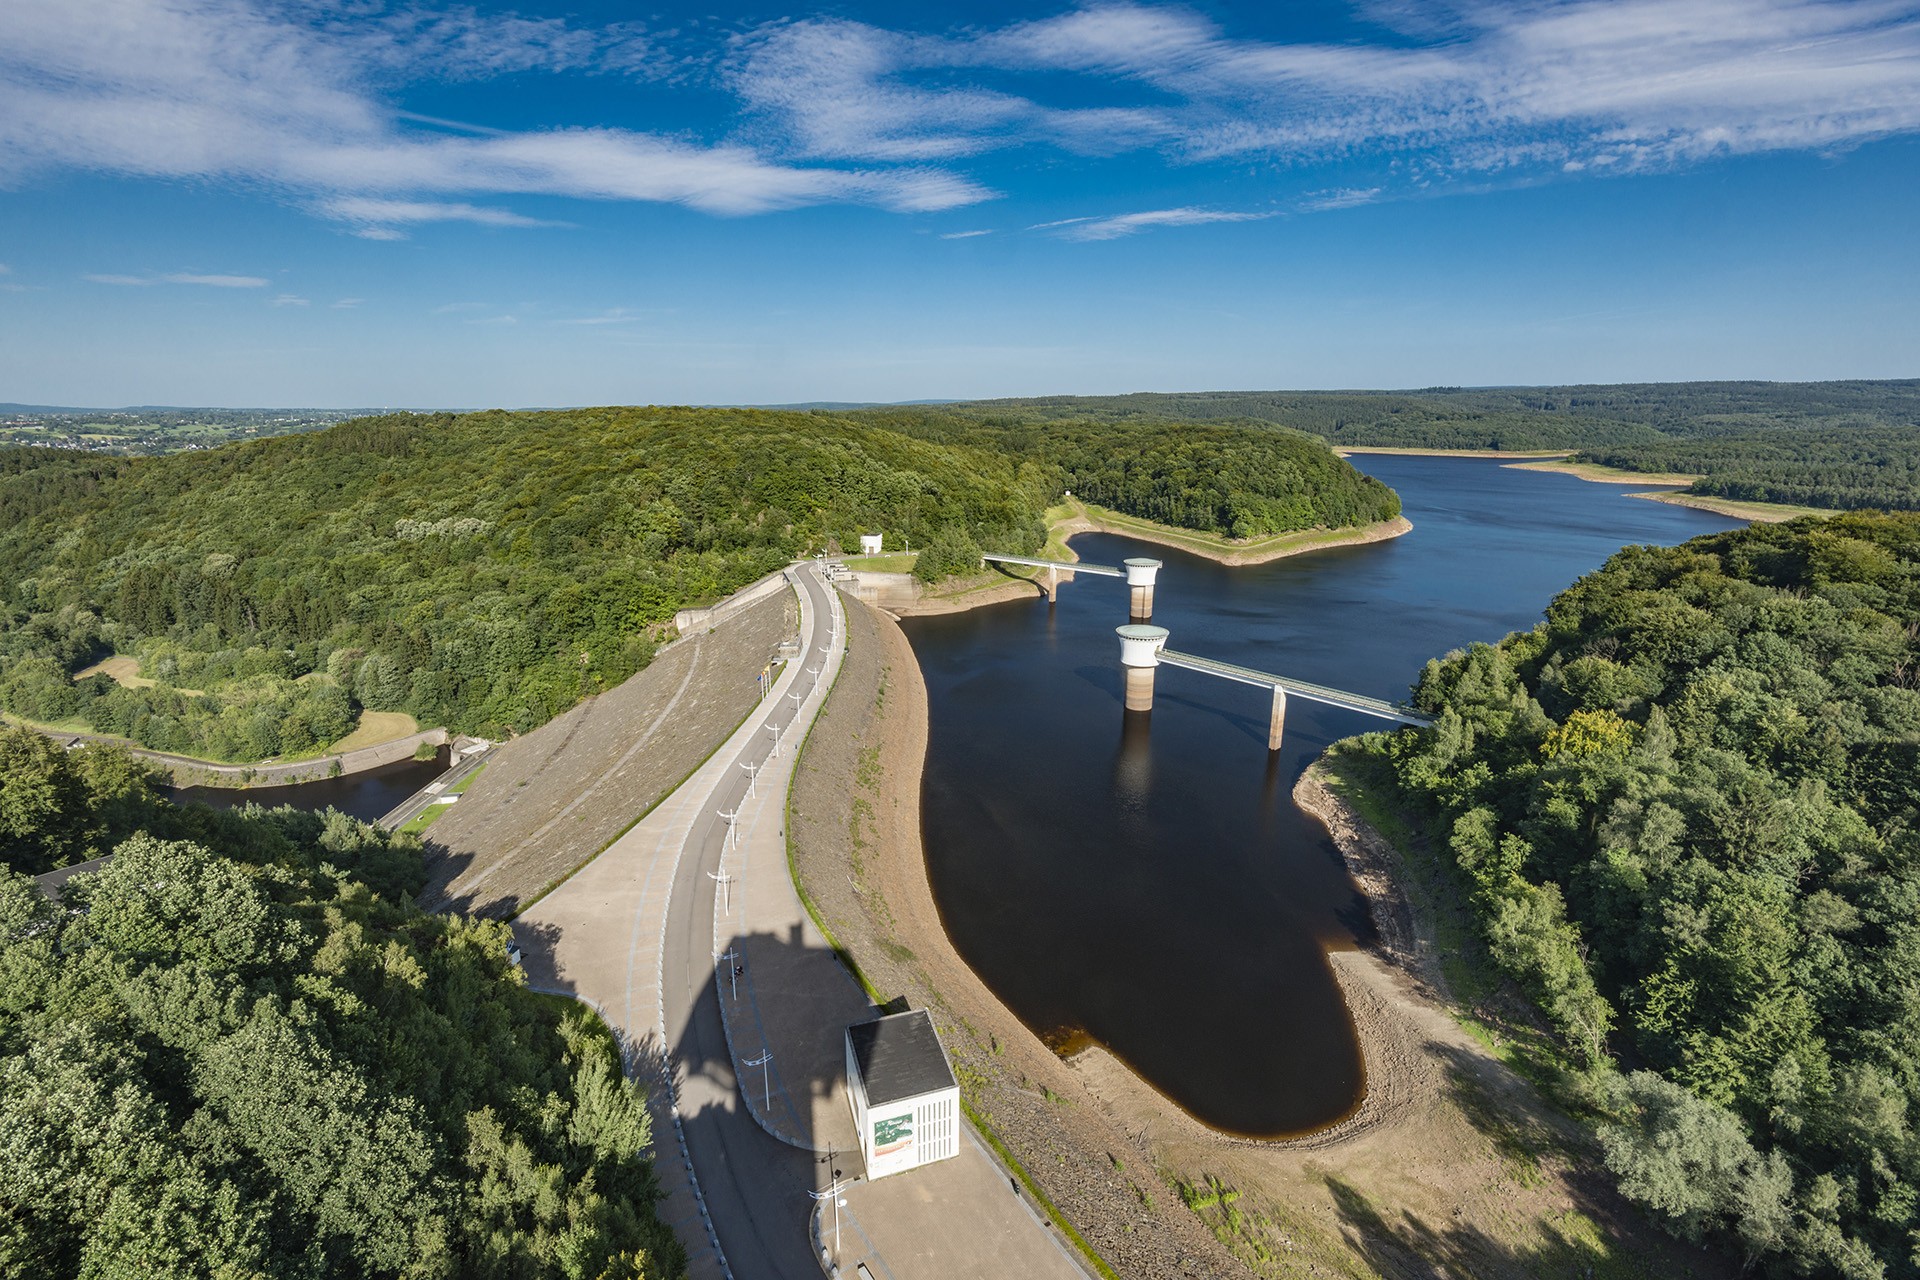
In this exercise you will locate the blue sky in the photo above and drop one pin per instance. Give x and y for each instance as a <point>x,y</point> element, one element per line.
<point>355,202</point>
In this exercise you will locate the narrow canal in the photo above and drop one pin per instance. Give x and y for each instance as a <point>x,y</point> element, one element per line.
<point>1149,884</point>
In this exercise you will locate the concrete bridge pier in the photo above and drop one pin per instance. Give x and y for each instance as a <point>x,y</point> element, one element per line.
<point>1140,576</point>
<point>1140,656</point>
<point>1279,721</point>
<point>1053,583</point>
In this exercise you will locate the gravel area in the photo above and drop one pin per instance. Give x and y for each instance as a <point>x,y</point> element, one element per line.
<point>551,800</point>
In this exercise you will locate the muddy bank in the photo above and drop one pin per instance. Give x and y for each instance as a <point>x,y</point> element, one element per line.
<point>1450,1165</point>
<point>1255,551</point>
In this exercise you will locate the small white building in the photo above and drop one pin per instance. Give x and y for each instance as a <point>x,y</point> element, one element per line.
<point>906,1104</point>
<point>870,543</point>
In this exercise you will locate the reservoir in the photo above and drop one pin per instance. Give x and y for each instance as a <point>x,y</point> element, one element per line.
<point>1147,882</point>
<point>369,795</point>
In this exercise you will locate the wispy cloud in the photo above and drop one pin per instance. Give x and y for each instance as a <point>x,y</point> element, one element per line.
<point>346,304</point>
<point>963,235</point>
<point>291,300</point>
<point>179,277</point>
<point>1567,86</point>
<point>618,315</point>
<point>1339,198</point>
<point>243,91</point>
<point>378,214</point>
<point>298,97</point>
<point>1126,224</point>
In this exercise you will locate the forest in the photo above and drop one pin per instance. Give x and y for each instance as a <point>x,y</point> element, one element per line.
<point>239,1050</point>
<point>1683,811</point>
<point>1840,445</point>
<point>486,571</point>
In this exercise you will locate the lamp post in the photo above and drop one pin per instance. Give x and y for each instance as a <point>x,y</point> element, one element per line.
<point>725,882</point>
<point>766,1080</point>
<point>733,840</point>
<point>732,958</point>
<point>753,776</point>
<point>832,1192</point>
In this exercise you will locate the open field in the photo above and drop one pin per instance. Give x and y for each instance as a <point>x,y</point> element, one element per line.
<point>376,727</point>
<point>888,562</point>
<point>120,668</point>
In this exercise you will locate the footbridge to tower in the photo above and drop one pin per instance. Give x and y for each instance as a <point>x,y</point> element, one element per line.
<point>1139,573</point>
<point>1143,650</point>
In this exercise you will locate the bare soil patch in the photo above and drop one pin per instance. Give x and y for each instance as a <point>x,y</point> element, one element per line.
<point>1452,1166</point>
<point>551,800</point>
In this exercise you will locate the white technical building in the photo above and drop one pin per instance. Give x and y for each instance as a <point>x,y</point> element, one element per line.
<point>906,1104</point>
<point>870,543</point>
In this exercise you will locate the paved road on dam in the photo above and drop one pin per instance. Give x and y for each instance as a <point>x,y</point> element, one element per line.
<point>634,934</point>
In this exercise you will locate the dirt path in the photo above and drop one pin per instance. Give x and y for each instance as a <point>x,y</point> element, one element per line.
<point>551,800</point>
<point>1451,1166</point>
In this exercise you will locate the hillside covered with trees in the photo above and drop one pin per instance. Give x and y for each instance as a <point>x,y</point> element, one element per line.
<point>486,571</point>
<point>248,1054</point>
<point>1684,810</point>
<point>1843,445</point>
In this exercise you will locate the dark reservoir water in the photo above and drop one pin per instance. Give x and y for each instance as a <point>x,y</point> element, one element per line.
<point>1146,881</point>
<point>368,796</point>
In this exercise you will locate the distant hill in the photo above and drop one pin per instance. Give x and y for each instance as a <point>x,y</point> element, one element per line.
<point>485,571</point>
<point>1823,444</point>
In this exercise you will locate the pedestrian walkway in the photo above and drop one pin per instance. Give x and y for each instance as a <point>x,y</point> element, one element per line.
<point>687,932</point>
<point>906,1227</point>
<point>787,1008</point>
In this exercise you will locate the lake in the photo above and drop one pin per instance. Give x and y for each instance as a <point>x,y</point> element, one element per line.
<point>1147,882</point>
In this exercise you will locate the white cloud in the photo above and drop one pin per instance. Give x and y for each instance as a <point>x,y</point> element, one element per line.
<point>216,282</point>
<point>347,304</point>
<point>1339,198</point>
<point>1126,224</point>
<point>178,277</point>
<point>290,300</point>
<point>379,216</point>
<point>618,315</point>
<point>240,91</point>
<point>1563,85</point>
<point>964,235</point>
<point>5,270</point>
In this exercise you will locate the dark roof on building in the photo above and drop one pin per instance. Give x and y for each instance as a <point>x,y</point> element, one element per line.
<point>53,882</point>
<point>899,1057</point>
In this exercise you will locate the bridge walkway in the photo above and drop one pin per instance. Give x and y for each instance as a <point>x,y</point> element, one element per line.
<point>1077,566</point>
<point>1298,688</point>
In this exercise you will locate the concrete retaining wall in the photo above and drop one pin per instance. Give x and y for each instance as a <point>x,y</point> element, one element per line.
<point>688,620</point>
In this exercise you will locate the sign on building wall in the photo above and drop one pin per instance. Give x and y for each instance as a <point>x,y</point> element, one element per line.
<point>893,1145</point>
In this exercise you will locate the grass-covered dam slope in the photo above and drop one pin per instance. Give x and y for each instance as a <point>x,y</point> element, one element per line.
<point>486,571</point>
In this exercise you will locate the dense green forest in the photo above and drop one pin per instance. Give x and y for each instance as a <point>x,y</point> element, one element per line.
<point>1232,480</point>
<point>1844,445</point>
<point>249,1055</point>
<point>485,571</point>
<point>1684,810</point>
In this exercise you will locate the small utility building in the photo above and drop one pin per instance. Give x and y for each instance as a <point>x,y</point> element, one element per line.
<point>906,1103</point>
<point>870,544</point>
